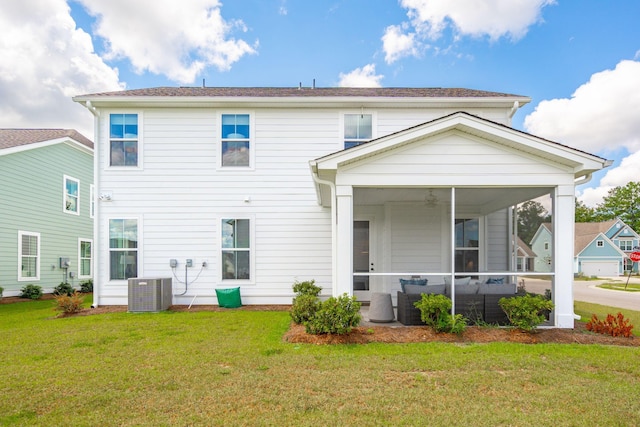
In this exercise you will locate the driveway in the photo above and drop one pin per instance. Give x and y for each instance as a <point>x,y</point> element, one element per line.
<point>586,291</point>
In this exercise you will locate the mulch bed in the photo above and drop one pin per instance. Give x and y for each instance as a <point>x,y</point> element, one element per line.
<point>397,334</point>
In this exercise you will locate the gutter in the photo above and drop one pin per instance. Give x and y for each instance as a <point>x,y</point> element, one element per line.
<point>96,154</point>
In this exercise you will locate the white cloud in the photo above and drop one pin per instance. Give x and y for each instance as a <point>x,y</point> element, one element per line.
<point>474,18</point>
<point>45,61</point>
<point>397,45</point>
<point>176,39</point>
<point>616,177</point>
<point>600,116</point>
<point>361,77</point>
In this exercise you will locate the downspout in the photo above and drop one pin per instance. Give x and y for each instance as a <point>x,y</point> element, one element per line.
<point>96,154</point>
<point>334,221</point>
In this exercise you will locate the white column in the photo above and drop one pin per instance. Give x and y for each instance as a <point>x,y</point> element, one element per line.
<point>563,253</point>
<point>344,241</point>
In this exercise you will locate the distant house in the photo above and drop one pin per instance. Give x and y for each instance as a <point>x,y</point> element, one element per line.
<point>600,248</point>
<point>525,256</point>
<point>46,209</point>
<point>355,188</point>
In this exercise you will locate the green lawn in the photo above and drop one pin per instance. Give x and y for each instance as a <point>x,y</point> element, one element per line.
<point>621,286</point>
<point>232,368</point>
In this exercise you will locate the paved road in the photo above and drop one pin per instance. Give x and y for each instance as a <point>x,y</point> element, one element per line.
<point>587,291</point>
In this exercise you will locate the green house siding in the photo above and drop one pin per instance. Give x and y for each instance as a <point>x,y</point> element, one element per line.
<point>32,200</point>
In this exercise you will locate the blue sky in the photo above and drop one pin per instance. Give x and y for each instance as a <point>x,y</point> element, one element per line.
<point>579,61</point>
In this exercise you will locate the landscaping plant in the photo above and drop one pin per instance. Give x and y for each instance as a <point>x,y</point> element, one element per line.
<point>526,312</point>
<point>1,291</point>
<point>616,326</point>
<point>86,286</point>
<point>435,311</point>
<point>31,292</point>
<point>63,288</point>
<point>306,302</point>
<point>335,316</point>
<point>69,304</point>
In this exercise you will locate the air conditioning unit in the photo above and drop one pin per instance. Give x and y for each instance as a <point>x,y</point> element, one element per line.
<point>150,294</point>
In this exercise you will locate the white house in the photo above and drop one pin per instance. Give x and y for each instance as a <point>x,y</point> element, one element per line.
<point>352,187</point>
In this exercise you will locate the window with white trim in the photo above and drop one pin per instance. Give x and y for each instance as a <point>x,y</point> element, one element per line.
<point>599,243</point>
<point>123,249</point>
<point>29,256</point>
<point>626,244</point>
<point>467,245</point>
<point>546,246</point>
<point>85,267</point>
<point>71,195</point>
<point>358,128</point>
<point>236,140</point>
<point>123,140</point>
<point>236,249</point>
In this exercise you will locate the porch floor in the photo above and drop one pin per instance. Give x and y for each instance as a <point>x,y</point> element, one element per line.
<point>365,322</point>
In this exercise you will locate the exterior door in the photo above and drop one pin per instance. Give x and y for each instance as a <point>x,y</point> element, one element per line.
<point>362,260</point>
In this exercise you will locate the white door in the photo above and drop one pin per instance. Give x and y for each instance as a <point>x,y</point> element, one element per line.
<point>362,259</point>
<point>600,268</point>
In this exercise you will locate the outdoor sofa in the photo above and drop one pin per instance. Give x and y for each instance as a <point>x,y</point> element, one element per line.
<point>475,301</point>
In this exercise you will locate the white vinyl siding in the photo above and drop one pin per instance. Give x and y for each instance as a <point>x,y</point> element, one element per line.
<point>28,256</point>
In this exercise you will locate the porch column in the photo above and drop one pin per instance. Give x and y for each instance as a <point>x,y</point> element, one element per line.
<point>344,241</point>
<point>563,252</point>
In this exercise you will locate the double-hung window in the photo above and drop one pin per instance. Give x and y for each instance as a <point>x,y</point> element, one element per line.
<point>358,128</point>
<point>236,249</point>
<point>236,140</point>
<point>29,255</point>
<point>123,140</point>
<point>467,245</point>
<point>84,258</point>
<point>71,195</point>
<point>626,245</point>
<point>123,249</point>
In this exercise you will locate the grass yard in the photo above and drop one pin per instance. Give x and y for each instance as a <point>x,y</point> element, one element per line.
<point>621,286</point>
<point>232,368</point>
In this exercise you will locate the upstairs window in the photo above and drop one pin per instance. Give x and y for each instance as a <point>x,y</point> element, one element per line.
<point>236,133</point>
<point>123,137</point>
<point>357,129</point>
<point>626,245</point>
<point>236,249</point>
<point>71,195</point>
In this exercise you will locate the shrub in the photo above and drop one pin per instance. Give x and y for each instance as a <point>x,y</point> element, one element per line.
<point>86,286</point>
<point>526,312</point>
<point>1,291</point>
<point>31,292</point>
<point>616,326</point>
<point>335,316</point>
<point>306,288</point>
<point>69,304</point>
<point>435,311</point>
<point>63,288</point>
<point>304,307</point>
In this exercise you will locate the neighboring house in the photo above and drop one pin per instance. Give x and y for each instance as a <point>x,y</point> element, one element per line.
<point>600,249</point>
<point>46,219</point>
<point>525,256</point>
<point>352,187</point>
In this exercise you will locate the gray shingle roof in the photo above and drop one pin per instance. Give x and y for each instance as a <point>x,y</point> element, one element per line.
<point>17,137</point>
<point>286,92</point>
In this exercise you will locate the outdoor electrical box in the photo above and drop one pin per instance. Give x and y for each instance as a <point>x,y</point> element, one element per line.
<point>173,263</point>
<point>65,263</point>
<point>150,295</point>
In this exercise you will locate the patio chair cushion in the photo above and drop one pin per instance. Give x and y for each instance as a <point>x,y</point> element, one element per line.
<point>420,289</point>
<point>417,282</point>
<point>459,281</point>
<point>489,289</point>
<point>495,281</point>
<point>467,289</point>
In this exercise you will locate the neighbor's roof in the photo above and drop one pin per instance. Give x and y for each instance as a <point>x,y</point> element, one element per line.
<point>10,138</point>
<point>269,92</point>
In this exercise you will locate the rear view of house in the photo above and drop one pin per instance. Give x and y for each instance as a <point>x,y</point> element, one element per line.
<point>355,188</point>
<point>46,208</point>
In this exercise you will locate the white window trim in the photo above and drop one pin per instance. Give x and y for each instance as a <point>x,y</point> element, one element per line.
<point>252,251</point>
<point>107,146</point>
<point>600,243</point>
<point>628,244</point>
<point>139,249</point>
<point>64,195</point>
<point>37,235</point>
<point>374,124</point>
<point>252,142</point>
<point>482,241</point>
<point>81,276</point>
